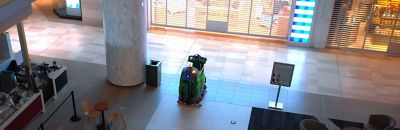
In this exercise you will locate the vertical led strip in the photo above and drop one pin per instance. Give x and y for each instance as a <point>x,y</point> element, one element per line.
<point>302,21</point>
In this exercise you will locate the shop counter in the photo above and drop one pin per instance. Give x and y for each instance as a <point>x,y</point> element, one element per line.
<point>18,119</point>
<point>58,79</point>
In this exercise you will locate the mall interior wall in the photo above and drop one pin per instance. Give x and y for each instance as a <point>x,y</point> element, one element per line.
<point>322,19</point>
<point>92,14</point>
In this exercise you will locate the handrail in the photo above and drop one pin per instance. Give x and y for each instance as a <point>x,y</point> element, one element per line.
<point>74,118</point>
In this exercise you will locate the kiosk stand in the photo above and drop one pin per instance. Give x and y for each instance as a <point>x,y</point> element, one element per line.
<point>282,74</point>
<point>276,105</point>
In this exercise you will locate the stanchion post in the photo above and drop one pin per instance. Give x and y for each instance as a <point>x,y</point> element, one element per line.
<point>75,117</point>
<point>277,96</point>
<point>276,105</point>
<point>41,127</point>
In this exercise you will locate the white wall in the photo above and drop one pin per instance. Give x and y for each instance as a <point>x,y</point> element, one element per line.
<point>91,12</point>
<point>321,22</point>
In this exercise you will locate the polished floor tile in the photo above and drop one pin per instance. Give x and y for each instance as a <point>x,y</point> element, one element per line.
<point>238,69</point>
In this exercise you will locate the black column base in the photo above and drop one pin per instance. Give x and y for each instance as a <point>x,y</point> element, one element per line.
<point>75,118</point>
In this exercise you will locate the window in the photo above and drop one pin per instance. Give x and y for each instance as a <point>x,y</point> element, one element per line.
<point>239,16</point>
<point>159,11</point>
<point>196,14</point>
<point>218,10</point>
<point>252,17</point>
<point>176,13</point>
<point>281,16</point>
<point>261,17</point>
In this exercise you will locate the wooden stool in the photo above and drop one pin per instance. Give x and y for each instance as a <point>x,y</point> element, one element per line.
<point>352,128</point>
<point>102,106</point>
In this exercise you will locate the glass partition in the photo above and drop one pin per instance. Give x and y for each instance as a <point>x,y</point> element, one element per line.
<point>197,14</point>
<point>218,10</point>
<point>239,16</point>
<point>261,17</point>
<point>251,17</point>
<point>364,24</point>
<point>281,16</point>
<point>176,13</point>
<point>159,12</point>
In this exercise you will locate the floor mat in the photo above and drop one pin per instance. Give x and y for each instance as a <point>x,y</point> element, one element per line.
<point>343,124</point>
<point>265,119</point>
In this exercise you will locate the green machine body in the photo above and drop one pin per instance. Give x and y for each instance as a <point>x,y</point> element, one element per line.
<point>192,86</point>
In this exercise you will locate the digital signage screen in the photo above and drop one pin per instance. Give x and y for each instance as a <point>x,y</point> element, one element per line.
<point>302,21</point>
<point>73,4</point>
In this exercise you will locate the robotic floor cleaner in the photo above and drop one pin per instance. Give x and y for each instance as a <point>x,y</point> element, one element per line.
<point>192,81</point>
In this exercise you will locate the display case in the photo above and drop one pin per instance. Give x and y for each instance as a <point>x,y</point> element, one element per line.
<point>384,17</point>
<point>69,9</point>
<point>365,24</point>
<point>16,118</point>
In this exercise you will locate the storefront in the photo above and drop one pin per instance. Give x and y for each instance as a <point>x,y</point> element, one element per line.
<point>70,9</point>
<point>266,18</point>
<point>365,24</point>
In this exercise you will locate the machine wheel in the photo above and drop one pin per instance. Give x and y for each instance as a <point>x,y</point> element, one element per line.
<point>203,93</point>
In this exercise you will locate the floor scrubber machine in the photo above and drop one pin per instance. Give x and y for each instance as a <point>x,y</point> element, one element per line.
<point>192,82</point>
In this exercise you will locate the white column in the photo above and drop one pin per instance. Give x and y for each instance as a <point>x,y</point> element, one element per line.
<point>125,31</point>
<point>322,22</point>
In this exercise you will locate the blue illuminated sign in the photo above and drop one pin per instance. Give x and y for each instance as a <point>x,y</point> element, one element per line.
<point>302,21</point>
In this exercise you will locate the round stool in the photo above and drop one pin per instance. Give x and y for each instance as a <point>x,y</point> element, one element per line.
<point>352,128</point>
<point>102,106</point>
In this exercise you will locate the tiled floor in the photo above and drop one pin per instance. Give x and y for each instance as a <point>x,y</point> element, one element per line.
<point>238,69</point>
<point>155,108</point>
<point>212,115</point>
<point>330,72</point>
<point>87,80</point>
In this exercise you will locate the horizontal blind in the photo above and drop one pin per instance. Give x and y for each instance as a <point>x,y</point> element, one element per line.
<point>261,17</point>
<point>379,30</point>
<point>396,32</point>
<point>159,11</point>
<point>239,14</point>
<point>218,10</point>
<point>334,23</point>
<point>176,13</point>
<point>348,24</point>
<point>280,25</point>
<point>254,17</point>
<point>196,14</point>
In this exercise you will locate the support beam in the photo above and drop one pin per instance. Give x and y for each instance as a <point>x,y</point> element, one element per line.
<point>24,50</point>
<point>126,38</point>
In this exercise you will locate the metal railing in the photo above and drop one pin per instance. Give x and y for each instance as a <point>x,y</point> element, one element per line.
<point>73,118</point>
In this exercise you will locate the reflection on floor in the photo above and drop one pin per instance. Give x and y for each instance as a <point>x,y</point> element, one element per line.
<point>264,119</point>
<point>88,81</point>
<point>156,108</point>
<point>338,73</point>
<point>326,82</point>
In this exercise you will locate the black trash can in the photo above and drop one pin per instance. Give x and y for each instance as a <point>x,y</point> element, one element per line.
<point>153,73</point>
